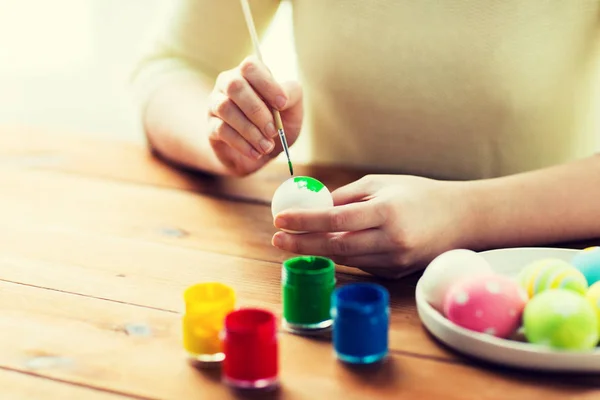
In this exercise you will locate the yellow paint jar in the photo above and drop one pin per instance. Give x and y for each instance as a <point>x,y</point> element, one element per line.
<point>206,306</point>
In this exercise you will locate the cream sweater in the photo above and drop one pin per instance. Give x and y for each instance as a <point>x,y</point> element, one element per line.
<point>451,89</point>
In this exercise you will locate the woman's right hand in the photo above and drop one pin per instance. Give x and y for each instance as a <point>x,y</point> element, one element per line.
<point>242,129</point>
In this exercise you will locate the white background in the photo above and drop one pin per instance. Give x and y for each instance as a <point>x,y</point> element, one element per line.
<point>64,64</point>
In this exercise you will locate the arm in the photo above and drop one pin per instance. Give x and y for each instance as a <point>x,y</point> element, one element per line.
<point>176,126</point>
<point>391,224</point>
<point>550,205</point>
<point>200,39</point>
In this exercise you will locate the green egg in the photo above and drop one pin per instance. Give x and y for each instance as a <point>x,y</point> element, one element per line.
<point>561,319</point>
<point>593,297</point>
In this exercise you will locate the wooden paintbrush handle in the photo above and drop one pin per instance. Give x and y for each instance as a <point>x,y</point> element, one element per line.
<point>277,116</point>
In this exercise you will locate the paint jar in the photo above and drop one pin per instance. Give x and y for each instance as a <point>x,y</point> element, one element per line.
<point>307,285</point>
<point>251,349</point>
<point>206,306</point>
<point>360,314</point>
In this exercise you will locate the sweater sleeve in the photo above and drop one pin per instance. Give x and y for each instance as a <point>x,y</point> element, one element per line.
<point>197,37</point>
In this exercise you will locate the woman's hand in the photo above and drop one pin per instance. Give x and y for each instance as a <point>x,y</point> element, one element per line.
<point>242,130</point>
<point>387,225</point>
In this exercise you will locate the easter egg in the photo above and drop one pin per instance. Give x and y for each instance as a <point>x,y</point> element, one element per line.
<point>562,319</point>
<point>593,297</point>
<point>491,304</point>
<point>300,192</point>
<point>446,269</point>
<point>551,273</point>
<point>588,262</point>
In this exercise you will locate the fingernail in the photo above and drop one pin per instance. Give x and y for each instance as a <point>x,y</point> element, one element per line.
<point>270,130</point>
<point>266,145</point>
<point>277,241</point>
<point>255,154</point>
<point>281,222</point>
<point>280,101</point>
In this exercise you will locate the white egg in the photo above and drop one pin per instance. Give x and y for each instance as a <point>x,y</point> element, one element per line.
<point>448,268</point>
<point>300,192</point>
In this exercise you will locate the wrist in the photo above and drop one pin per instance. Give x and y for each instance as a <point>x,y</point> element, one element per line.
<point>498,215</point>
<point>475,228</point>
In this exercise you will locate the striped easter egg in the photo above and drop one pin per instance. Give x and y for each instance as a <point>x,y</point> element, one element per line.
<point>551,273</point>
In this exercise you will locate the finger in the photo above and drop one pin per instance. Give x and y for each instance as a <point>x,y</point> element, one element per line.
<point>385,265</point>
<point>337,244</point>
<point>367,262</point>
<point>223,107</point>
<point>345,218</point>
<point>237,88</point>
<point>353,192</point>
<point>261,79</point>
<point>222,131</point>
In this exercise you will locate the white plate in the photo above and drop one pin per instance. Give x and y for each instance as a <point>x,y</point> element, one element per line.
<point>501,351</point>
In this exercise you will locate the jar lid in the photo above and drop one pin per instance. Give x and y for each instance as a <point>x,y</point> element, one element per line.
<point>308,270</point>
<point>251,322</point>
<point>209,297</point>
<point>360,298</point>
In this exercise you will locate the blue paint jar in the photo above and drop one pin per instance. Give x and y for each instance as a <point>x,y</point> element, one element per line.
<point>361,316</point>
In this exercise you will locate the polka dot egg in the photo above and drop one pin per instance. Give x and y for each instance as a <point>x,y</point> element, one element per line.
<point>446,269</point>
<point>491,304</point>
<point>561,318</point>
<point>587,262</point>
<point>300,192</point>
<point>551,273</point>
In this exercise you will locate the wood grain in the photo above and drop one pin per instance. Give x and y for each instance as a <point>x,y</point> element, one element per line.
<point>132,162</point>
<point>155,275</point>
<point>180,218</point>
<point>89,338</point>
<point>32,148</point>
<point>99,239</point>
<point>19,386</point>
<point>160,215</point>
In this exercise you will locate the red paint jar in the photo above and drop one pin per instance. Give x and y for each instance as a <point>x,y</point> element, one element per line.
<point>251,349</point>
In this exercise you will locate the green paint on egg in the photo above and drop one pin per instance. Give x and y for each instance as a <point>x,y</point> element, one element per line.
<point>310,183</point>
<point>561,319</point>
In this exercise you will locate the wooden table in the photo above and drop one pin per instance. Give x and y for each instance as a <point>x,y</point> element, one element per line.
<point>99,240</point>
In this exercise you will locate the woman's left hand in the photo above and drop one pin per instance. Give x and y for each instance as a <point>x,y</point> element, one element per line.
<point>387,225</point>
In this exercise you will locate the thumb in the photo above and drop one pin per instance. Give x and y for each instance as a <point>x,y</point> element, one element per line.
<point>351,193</point>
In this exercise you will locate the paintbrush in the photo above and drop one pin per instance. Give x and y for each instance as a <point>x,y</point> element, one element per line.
<point>276,115</point>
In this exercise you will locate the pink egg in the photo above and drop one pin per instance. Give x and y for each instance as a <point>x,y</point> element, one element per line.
<point>491,304</point>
